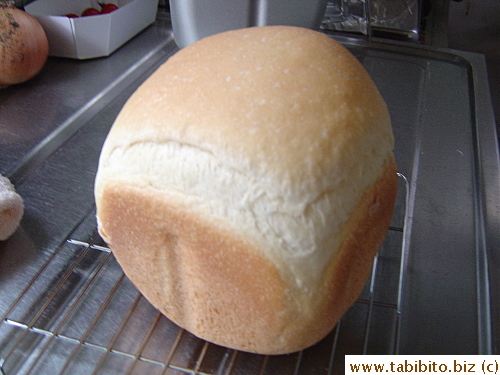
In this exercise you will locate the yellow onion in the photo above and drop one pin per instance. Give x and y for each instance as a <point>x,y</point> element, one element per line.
<point>23,45</point>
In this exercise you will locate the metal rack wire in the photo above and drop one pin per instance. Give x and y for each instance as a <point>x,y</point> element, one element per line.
<point>80,314</point>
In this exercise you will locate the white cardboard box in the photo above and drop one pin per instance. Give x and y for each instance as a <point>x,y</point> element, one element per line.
<point>92,36</point>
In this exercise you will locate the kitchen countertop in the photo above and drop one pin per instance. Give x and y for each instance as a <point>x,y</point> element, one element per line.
<point>39,114</point>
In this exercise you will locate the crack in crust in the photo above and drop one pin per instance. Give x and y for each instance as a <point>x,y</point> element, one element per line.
<point>218,284</point>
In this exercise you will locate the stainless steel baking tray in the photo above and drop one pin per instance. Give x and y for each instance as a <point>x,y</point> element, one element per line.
<point>67,308</point>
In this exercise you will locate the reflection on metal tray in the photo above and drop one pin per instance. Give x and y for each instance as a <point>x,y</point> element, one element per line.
<point>67,308</point>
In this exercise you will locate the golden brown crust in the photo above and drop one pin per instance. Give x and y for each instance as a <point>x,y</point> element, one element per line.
<point>218,285</point>
<point>24,47</point>
<point>209,281</point>
<point>348,271</point>
<point>246,186</point>
<point>273,102</point>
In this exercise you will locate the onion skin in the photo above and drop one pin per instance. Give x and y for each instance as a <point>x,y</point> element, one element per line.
<point>24,47</point>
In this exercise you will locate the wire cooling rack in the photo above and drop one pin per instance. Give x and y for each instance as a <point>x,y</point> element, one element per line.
<point>80,314</point>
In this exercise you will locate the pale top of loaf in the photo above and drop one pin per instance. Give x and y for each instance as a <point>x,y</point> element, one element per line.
<point>273,132</point>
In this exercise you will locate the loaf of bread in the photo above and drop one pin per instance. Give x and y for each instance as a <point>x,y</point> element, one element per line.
<point>247,185</point>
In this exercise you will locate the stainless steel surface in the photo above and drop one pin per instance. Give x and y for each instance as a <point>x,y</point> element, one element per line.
<point>193,20</point>
<point>66,306</point>
<point>66,95</point>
